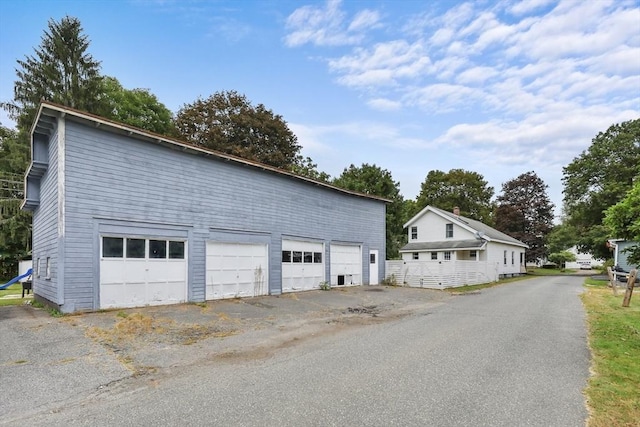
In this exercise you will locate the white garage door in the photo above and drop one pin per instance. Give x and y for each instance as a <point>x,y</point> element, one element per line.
<point>236,270</point>
<point>302,265</point>
<point>346,264</point>
<point>138,271</point>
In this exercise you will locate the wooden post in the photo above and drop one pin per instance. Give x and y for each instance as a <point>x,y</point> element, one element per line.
<point>612,281</point>
<point>631,280</point>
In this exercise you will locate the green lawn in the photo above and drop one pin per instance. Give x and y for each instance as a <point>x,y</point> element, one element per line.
<point>613,392</point>
<point>15,289</point>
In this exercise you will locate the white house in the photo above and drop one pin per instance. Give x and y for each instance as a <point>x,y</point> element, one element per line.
<point>584,261</point>
<point>446,249</point>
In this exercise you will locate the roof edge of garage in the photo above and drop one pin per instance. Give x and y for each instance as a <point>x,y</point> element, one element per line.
<point>48,109</point>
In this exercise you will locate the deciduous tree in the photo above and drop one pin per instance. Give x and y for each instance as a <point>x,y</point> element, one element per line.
<point>526,213</point>
<point>467,190</point>
<point>135,107</point>
<point>371,179</point>
<point>599,178</point>
<point>623,221</point>
<point>228,122</point>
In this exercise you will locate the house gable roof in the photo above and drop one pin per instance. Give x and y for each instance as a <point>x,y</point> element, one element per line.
<point>480,229</point>
<point>49,112</point>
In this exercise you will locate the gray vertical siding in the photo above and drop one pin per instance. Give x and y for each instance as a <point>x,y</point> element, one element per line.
<point>45,226</point>
<point>111,177</point>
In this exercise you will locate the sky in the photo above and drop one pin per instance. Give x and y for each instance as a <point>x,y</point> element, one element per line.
<point>497,87</point>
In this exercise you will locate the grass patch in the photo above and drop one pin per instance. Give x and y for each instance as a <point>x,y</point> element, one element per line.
<point>473,288</point>
<point>534,271</point>
<point>614,336</point>
<point>14,290</point>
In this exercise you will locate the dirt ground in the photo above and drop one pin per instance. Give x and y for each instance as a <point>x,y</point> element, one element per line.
<point>151,338</point>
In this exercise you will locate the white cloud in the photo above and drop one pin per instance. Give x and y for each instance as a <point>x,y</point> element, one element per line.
<point>383,104</point>
<point>328,25</point>
<point>384,64</point>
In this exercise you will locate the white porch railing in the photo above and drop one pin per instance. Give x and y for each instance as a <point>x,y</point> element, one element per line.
<point>442,274</point>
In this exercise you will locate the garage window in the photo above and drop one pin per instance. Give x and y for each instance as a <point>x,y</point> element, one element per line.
<point>416,255</point>
<point>157,249</point>
<point>135,248</point>
<point>434,255</point>
<point>308,257</point>
<point>317,257</point>
<point>286,256</point>
<point>297,256</point>
<point>112,247</point>
<point>447,256</point>
<point>176,250</point>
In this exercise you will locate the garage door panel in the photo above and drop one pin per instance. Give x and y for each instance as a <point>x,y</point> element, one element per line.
<point>305,275</point>
<point>135,282</point>
<point>346,264</point>
<point>236,270</point>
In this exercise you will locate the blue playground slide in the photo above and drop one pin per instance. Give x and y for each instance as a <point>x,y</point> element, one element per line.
<point>15,279</point>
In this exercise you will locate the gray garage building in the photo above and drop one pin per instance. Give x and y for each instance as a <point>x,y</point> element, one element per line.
<point>127,218</point>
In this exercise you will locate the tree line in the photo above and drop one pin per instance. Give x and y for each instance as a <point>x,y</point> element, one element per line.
<point>600,196</point>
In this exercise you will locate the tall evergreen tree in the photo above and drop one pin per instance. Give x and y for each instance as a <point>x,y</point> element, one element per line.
<point>61,71</point>
<point>525,212</point>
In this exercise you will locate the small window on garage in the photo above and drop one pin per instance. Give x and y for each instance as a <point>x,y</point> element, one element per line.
<point>308,257</point>
<point>176,250</point>
<point>157,249</point>
<point>297,256</point>
<point>434,255</point>
<point>447,256</point>
<point>513,257</point>
<point>372,258</point>
<point>473,254</point>
<point>112,247</point>
<point>38,267</point>
<point>48,268</point>
<point>505,257</point>
<point>286,256</point>
<point>416,255</point>
<point>317,257</point>
<point>135,248</point>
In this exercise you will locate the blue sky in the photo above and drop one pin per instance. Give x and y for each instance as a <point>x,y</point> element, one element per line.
<point>498,87</point>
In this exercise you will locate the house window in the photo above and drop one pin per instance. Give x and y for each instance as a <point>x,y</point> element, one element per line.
<point>176,250</point>
<point>112,247</point>
<point>158,249</point>
<point>135,248</point>
<point>317,257</point>
<point>416,255</point>
<point>505,257</point>
<point>521,257</point>
<point>473,254</point>
<point>447,256</point>
<point>513,258</point>
<point>286,256</point>
<point>434,255</point>
<point>372,258</point>
<point>38,267</point>
<point>297,256</point>
<point>449,230</point>
<point>308,257</point>
<point>414,233</point>
<point>48,268</point>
